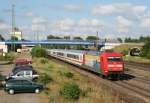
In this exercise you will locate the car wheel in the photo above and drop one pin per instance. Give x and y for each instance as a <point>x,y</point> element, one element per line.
<point>37,90</point>
<point>11,91</point>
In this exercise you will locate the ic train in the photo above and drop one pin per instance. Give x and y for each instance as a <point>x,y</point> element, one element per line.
<point>108,64</point>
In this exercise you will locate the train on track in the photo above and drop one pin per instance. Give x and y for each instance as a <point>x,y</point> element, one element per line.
<point>108,64</point>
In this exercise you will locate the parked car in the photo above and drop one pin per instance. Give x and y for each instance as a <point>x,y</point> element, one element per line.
<point>23,72</point>
<point>21,67</point>
<point>22,62</point>
<point>22,85</point>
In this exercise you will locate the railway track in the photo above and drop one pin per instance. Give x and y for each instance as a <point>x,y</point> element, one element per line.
<point>145,67</point>
<point>128,91</point>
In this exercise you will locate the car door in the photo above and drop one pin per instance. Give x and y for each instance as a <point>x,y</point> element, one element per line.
<point>27,86</point>
<point>17,85</point>
<point>20,74</point>
<point>28,74</point>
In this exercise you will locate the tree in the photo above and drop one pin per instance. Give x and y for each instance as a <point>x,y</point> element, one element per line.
<point>38,52</point>
<point>77,38</point>
<point>53,37</point>
<point>67,37</point>
<point>13,38</point>
<point>1,38</point>
<point>145,52</point>
<point>92,38</point>
<point>119,39</point>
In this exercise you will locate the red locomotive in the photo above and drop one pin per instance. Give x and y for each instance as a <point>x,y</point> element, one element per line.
<point>108,64</point>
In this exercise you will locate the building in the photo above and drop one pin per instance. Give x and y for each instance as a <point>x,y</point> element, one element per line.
<point>3,47</point>
<point>17,34</point>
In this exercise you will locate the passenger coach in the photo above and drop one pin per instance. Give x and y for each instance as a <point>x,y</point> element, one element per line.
<point>108,64</point>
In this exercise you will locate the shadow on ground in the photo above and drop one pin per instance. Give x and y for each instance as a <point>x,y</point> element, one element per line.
<point>126,76</point>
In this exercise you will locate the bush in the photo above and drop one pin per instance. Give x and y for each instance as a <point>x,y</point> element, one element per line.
<point>43,61</point>
<point>148,55</point>
<point>124,53</point>
<point>45,79</point>
<point>69,74</point>
<point>70,91</point>
<point>7,57</point>
<point>145,52</point>
<point>38,52</point>
<point>66,74</point>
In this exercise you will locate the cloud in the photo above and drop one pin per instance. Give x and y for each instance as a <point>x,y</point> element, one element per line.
<point>90,22</point>
<point>123,21</point>
<point>66,24</point>
<point>123,24</point>
<point>119,8</point>
<point>29,14</point>
<point>145,23</point>
<point>38,20</point>
<point>104,9</point>
<point>139,9</point>
<point>39,23</point>
<point>71,7</point>
<point>4,26</point>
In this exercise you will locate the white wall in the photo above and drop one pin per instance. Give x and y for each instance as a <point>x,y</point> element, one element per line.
<point>4,47</point>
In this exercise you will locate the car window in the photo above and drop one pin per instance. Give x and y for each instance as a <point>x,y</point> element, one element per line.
<point>16,82</point>
<point>25,82</point>
<point>28,73</point>
<point>20,73</point>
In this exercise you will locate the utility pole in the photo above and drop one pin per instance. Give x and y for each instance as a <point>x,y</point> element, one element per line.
<point>13,27</point>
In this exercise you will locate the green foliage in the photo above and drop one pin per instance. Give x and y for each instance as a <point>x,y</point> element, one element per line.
<point>43,61</point>
<point>124,52</point>
<point>53,37</point>
<point>140,39</point>
<point>45,78</point>
<point>92,38</point>
<point>67,37</point>
<point>7,57</point>
<point>120,40</point>
<point>145,52</point>
<point>69,74</point>
<point>13,38</point>
<point>38,52</point>
<point>66,74</point>
<point>77,38</point>
<point>70,91</point>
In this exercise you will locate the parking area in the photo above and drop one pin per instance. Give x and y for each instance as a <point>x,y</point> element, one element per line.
<point>17,98</point>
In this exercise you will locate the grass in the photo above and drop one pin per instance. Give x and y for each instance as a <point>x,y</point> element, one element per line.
<point>136,59</point>
<point>127,47</point>
<point>91,92</point>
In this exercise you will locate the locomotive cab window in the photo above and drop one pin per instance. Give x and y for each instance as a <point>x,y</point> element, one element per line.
<point>114,59</point>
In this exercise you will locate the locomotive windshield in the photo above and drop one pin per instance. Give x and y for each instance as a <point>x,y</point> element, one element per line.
<point>114,59</point>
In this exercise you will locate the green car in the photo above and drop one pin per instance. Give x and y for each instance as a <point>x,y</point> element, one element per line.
<point>22,85</point>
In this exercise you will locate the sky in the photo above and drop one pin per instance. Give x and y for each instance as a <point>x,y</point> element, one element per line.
<point>110,18</point>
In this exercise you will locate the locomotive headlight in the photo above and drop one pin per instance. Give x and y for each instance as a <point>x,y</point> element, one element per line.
<point>119,65</point>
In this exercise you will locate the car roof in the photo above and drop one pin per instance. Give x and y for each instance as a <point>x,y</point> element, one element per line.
<point>23,67</point>
<point>18,79</point>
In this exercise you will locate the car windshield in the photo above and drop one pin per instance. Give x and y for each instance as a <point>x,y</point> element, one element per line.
<point>114,59</point>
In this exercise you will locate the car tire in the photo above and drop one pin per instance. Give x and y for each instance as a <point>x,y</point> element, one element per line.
<point>37,90</point>
<point>11,91</point>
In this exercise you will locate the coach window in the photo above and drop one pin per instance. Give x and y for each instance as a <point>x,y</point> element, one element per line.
<point>60,54</point>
